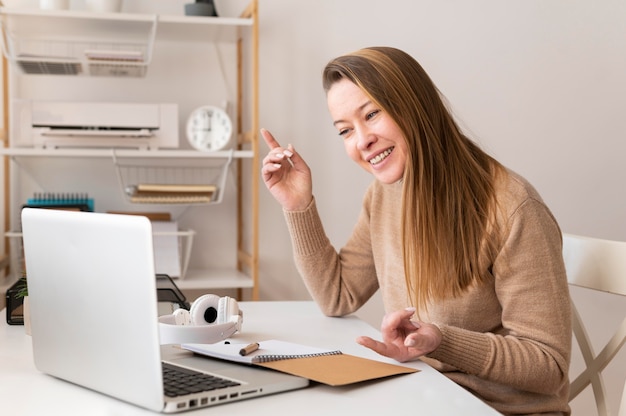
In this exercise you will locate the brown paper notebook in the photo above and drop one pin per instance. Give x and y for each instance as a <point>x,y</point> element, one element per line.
<point>325,366</point>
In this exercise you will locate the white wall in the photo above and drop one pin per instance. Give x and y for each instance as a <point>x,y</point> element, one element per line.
<point>539,83</point>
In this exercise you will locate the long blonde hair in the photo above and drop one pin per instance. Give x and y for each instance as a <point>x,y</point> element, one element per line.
<point>448,180</point>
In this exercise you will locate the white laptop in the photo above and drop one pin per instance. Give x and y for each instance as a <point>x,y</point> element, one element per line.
<point>93,300</point>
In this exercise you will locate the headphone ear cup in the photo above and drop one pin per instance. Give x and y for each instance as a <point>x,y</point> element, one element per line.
<point>222,310</point>
<point>182,317</point>
<point>205,310</point>
<point>228,310</point>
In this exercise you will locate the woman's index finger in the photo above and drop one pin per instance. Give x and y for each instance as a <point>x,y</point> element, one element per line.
<point>269,139</point>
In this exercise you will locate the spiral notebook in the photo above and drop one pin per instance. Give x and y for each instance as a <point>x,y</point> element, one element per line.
<point>327,366</point>
<point>272,350</point>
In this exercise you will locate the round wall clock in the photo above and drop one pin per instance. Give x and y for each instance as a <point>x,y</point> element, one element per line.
<point>209,128</point>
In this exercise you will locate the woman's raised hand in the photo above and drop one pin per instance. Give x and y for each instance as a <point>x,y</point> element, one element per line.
<point>286,175</point>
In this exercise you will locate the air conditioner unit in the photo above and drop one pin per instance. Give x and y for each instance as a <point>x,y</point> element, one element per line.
<point>53,124</point>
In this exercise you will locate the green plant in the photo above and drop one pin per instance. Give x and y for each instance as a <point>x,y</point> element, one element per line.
<point>22,288</point>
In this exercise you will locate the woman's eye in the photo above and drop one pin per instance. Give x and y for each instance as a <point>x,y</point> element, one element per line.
<point>343,132</point>
<point>371,114</point>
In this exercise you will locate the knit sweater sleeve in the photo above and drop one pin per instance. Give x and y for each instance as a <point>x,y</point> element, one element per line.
<point>530,349</point>
<point>340,282</point>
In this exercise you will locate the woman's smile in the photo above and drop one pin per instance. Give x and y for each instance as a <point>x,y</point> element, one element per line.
<point>380,157</point>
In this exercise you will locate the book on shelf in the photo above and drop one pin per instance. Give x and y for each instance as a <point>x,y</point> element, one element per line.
<point>327,366</point>
<point>176,188</point>
<point>114,55</point>
<point>78,201</point>
<point>171,193</point>
<point>152,216</point>
<point>170,199</point>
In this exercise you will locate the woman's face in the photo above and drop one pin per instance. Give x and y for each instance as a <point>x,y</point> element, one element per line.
<point>371,137</point>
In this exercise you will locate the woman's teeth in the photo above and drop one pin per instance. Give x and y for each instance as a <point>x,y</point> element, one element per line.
<point>379,158</point>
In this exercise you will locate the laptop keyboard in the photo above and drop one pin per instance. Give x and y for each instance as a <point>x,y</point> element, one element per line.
<point>179,381</point>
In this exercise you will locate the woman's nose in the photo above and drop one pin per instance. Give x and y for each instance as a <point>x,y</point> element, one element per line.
<point>365,139</point>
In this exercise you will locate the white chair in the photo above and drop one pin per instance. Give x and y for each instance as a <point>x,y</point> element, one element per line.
<point>622,409</point>
<point>599,265</point>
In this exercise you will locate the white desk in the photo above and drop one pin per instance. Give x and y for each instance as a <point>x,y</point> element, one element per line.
<point>25,391</point>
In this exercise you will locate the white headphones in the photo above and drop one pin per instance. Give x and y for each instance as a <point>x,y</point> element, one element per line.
<point>210,319</point>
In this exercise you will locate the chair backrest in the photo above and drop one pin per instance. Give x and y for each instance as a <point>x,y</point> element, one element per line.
<point>599,265</point>
<point>622,409</point>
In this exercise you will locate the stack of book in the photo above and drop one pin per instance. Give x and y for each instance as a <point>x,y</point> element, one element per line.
<point>78,201</point>
<point>171,194</point>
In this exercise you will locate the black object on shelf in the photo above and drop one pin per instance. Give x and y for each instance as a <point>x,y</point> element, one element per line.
<point>15,303</point>
<point>201,8</point>
<point>167,291</point>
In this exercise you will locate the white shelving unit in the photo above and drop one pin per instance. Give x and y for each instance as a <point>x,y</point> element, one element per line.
<point>121,45</point>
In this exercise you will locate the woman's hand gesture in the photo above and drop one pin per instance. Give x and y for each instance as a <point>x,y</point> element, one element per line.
<point>286,175</point>
<point>404,339</point>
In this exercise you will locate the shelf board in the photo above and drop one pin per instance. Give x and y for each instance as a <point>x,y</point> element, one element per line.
<point>201,28</point>
<point>122,153</point>
<point>214,279</point>
<point>67,24</point>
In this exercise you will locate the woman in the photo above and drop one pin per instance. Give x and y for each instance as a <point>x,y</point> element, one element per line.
<point>466,254</point>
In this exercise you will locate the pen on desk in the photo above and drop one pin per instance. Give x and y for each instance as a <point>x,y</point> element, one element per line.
<point>249,348</point>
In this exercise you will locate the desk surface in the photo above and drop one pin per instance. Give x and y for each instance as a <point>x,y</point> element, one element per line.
<point>25,391</point>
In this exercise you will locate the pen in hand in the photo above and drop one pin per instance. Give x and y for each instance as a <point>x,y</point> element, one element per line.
<point>249,349</point>
<point>288,153</point>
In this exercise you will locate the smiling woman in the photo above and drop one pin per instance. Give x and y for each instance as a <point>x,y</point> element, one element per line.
<point>465,252</point>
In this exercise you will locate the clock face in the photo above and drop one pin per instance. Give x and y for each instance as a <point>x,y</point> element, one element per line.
<point>209,128</point>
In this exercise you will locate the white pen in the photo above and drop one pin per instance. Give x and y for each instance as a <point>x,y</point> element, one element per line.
<point>288,153</point>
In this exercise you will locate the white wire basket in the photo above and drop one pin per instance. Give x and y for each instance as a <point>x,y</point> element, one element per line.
<point>18,267</point>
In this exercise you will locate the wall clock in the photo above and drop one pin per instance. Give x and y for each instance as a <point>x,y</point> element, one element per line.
<point>209,128</point>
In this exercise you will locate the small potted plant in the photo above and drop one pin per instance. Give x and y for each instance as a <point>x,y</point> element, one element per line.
<point>23,294</point>
<point>17,299</point>
<point>22,288</point>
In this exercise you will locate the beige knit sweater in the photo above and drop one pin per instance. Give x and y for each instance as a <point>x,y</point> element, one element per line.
<point>507,341</point>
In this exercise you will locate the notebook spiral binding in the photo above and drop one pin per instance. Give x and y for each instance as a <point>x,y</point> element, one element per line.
<point>269,358</point>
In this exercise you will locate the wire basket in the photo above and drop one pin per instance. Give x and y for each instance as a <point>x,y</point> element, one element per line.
<point>18,266</point>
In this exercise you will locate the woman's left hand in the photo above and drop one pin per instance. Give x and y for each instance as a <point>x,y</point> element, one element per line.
<point>404,339</point>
